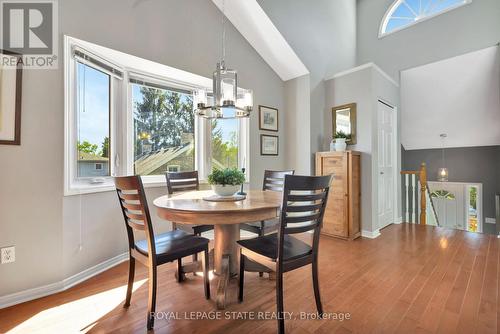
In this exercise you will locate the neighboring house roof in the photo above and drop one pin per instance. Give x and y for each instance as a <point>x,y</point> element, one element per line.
<point>150,162</point>
<point>217,164</point>
<point>90,157</point>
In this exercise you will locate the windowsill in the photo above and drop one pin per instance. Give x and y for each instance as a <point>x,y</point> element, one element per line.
<point>156,181</point>
<point>82,189</point>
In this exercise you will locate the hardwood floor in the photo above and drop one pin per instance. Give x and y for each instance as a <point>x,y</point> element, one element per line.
<point>411,279</point>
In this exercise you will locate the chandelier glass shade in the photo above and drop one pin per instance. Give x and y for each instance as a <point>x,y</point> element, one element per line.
<point>443,174</point>
<point>226,99</point>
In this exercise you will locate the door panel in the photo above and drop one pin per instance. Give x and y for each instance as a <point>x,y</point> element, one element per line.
<point>335,219</point>
<point>386,167</point>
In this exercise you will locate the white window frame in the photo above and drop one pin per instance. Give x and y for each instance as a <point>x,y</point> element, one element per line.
<point>74,185</point>
<point>151,180</point>
<point>121,159</point>
<point>397,3</point>
<point>202,137</point>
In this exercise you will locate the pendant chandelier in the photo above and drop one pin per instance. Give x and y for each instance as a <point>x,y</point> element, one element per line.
<point>443,171</point>
<point>227,100</point>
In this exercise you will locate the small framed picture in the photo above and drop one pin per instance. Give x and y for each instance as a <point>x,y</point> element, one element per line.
<point>10,98</point>
<point>269,145</point>
<point>268,118</point>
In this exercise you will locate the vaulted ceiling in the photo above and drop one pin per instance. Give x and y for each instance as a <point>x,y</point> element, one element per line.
<point>321,32</point>
<point>459,96</point>
<point>295,38</point>
<point>253,23</point>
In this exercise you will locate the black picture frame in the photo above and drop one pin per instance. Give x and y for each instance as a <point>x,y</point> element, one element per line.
<point>263,150</point>
<point>18,99</point>
<point>262,118</point>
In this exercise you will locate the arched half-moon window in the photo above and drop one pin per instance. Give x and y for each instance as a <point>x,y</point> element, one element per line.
<point>405,13</point>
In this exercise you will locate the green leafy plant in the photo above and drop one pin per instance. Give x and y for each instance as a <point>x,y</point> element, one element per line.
<point>227,176</point>
<point>341,135</point>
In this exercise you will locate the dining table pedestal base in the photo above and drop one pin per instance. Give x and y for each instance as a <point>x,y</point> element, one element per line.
<point>225,244</point>
<point>225,258</point>
<point>228,266</point>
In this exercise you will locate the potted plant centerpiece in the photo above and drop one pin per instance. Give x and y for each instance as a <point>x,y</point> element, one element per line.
<point>226,182</point>
<point>340,141</point>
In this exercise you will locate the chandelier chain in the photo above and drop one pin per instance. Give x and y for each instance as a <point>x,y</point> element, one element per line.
<point>443,136</point>
<point>223,32</point>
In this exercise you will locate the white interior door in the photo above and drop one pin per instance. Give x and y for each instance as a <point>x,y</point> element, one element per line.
<point>386,164</point>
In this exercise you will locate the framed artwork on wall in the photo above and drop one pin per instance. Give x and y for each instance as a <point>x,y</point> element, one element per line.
<point>10,98</point>
<point>268,118</point>
<point>269,145</point>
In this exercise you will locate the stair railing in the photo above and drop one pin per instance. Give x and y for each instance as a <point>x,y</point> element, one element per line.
<point>411,181</point>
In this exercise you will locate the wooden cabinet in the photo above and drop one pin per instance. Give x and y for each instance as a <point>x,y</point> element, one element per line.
<point>343,211</point>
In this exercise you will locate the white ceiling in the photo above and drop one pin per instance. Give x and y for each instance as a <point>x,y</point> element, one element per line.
<point>252,22</point>
<point>321,32</point>
<point>459,96</point>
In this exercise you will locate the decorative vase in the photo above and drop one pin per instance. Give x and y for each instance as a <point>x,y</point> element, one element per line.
<point>225,190</point>
<point>340,145</point>
<point>332,145</point>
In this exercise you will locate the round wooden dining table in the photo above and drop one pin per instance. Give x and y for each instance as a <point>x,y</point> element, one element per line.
<point>191,208</point>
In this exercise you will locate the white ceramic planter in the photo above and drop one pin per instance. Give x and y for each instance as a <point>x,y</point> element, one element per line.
<point>332,145</point>
<point>340,145</point>
<point>225,190</point>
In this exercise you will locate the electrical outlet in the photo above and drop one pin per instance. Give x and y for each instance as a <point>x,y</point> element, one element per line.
<point>8,254</point>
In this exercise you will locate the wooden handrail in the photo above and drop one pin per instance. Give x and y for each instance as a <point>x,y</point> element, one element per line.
<point>423,190</point>
<point>422,176</point>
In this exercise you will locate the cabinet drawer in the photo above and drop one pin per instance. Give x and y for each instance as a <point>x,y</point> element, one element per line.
<point>333,165</point>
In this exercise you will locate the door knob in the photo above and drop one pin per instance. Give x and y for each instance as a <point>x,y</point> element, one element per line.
<point>381,173</point>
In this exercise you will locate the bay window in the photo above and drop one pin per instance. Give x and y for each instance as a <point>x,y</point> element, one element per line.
<point>164,127</point>
<point>132,116</point>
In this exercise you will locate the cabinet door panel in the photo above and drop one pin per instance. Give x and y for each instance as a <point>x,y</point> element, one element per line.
<point>335,219</point>
<point>335,166</point>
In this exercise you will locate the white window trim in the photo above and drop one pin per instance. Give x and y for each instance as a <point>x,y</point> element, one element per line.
<point>122,125</point>
<point>395,5</point>
<point>73,185</point>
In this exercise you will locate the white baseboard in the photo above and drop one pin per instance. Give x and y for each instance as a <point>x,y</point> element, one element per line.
<point>490,220</point>
<point>370,234</point>
<point>399,220</point>
<point>49,289</point>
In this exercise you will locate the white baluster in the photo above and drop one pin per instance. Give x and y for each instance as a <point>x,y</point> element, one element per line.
<point>407,192</point>
<point>414,185</point>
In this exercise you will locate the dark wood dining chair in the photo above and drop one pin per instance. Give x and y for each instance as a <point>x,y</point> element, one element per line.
<point>303,207</point>
<point>273,181</point>
<point>185,181</point>
<point>155,250</point>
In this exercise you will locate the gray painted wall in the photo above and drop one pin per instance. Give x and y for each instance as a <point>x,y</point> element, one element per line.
<point>34,215</point>
<point>297,104</point>
<point>356,87</point>
<point>465,164</point>
<point>459,31</point>
<point>324,37</point>
<point>365,87</point>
